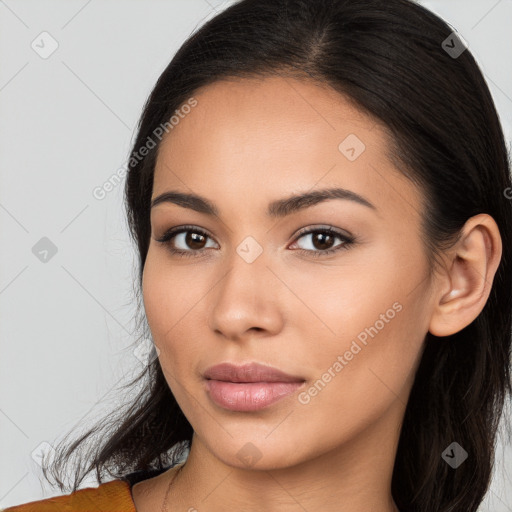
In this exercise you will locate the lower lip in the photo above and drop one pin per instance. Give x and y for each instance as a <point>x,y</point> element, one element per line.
<point>249,396</point>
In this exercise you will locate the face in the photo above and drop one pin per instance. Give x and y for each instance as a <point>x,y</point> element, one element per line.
<point>345,310</point>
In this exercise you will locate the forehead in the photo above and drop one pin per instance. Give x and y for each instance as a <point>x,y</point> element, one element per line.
<point>272,136</point>
<point>254,109</point>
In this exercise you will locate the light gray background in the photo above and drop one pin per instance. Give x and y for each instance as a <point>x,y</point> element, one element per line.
<point>66,125</point>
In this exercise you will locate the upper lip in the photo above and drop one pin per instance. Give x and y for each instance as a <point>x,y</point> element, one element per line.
<point>251,372</point>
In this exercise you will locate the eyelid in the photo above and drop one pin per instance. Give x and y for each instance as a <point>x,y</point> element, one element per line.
<point>176,230</point>
<point>323,227</point>
<point>302,231</point>
<point>347,239</point>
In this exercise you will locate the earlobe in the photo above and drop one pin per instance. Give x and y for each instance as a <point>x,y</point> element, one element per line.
<point>468,275</point>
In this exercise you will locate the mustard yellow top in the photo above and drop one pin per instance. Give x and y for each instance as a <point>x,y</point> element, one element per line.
<point>114,496</point>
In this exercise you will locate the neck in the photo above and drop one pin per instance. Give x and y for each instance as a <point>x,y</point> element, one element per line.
<point>355,477</point>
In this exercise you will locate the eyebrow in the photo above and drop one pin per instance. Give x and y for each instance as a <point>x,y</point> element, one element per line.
<point>278,208</point>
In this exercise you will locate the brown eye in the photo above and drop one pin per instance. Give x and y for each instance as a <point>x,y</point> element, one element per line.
<point>190,240</point>
<point>195,240</point>
<point>322,240</point>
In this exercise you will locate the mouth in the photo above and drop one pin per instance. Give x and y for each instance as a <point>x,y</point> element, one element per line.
<point>249,387</point>
<point>251,372</point>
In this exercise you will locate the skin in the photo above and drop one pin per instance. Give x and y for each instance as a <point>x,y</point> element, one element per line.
<point>246,143</point>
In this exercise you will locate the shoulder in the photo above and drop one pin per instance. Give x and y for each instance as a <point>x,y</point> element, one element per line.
<point>113,496</point>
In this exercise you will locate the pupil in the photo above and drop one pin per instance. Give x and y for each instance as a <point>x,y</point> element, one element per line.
<point>323,236</point>
<point>194,238</point>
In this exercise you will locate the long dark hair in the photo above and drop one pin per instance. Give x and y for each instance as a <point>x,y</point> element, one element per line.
<point>388,57</point>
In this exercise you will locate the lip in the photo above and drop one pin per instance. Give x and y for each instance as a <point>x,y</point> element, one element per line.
<point>249,387</point>
<point>250,372</point>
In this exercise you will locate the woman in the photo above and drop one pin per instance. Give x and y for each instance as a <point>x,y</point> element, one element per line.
<point>318,194</point>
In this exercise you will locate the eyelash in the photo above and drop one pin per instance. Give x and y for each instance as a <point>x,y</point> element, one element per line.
<point>173,232</point>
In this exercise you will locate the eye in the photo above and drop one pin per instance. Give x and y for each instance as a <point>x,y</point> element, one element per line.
<point>190,236</point>
<point>321,240</point>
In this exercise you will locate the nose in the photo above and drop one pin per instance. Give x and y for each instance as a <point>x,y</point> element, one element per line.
<point>246,300</point>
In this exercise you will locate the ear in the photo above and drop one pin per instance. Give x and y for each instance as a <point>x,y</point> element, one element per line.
<point>466,282</point>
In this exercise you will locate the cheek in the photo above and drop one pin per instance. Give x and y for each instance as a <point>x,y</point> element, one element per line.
<point>172,298</point>
<point>364,310</point>
<point>164,296</point>
<point>152,290</point>
<point>162,313</point>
